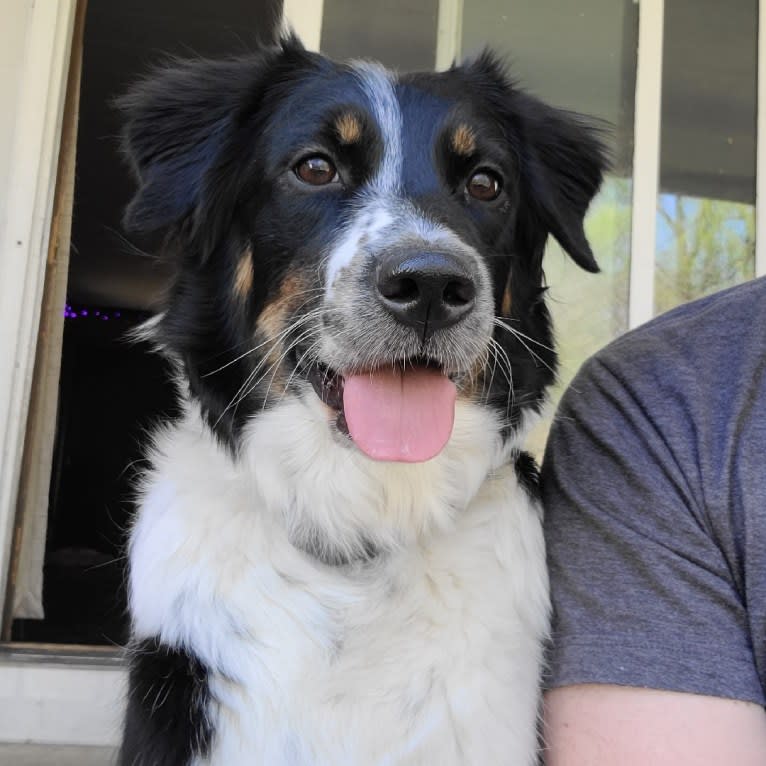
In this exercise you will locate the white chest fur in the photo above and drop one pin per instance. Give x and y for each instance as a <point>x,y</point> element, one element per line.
<point>428,654</point>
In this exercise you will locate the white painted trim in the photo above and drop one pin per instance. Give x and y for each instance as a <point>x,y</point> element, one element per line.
<point>61,704</point>
<point>305,18</point>
<point>25,230</point>
<point>760,179</point>
<point>646,161</point>
<point>449,34</point>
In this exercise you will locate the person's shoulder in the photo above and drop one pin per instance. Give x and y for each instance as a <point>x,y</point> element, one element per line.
<point>690,335</point>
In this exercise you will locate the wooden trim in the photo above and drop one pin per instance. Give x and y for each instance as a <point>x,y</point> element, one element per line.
<point>37,457</point>
<point>449,33</point>
<point>62,654</point>
<point>646,161</point>
<point>305,18</point>
<point>25,233</point>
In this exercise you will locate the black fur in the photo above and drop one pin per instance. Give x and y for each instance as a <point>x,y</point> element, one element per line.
<point>166,722</point>
<point>528,474</point>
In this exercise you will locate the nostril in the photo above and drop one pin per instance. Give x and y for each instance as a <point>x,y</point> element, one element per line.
<point>399,289</point>
<point>459,292</point>
<point>426,290</point>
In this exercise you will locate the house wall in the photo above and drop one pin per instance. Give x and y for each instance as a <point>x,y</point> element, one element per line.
<point>60,703</point>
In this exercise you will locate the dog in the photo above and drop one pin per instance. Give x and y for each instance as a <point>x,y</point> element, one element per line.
<point>337,556</point>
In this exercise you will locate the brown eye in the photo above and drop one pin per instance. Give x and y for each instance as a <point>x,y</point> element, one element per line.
<point>317,171</point>
<point>484,185</point>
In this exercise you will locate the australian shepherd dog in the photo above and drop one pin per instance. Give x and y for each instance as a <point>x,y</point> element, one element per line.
<point>337,558</point>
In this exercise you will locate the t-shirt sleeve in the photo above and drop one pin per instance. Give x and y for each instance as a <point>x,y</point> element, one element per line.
<point>642,593</point>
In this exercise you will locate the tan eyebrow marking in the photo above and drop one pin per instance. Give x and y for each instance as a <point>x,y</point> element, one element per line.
<point>349,128</point>
<point>464,140</point>
<point>243,276</point>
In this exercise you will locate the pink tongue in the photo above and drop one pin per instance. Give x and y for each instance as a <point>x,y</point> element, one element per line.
<point>398,415</point>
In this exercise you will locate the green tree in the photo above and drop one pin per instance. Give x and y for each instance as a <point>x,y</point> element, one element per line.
<point>703,245</point>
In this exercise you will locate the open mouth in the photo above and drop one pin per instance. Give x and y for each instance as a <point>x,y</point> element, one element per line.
<point>402,413</point>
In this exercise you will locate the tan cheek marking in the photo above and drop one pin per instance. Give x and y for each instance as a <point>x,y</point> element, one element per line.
<point>348,128</point>
<point>464,141</point>
<point>243,276</point>
<point>271,321</point>
<point>506,303</point>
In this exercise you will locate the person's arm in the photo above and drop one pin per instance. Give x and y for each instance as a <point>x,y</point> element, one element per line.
<point>653,645</point>
<point>606,725</point>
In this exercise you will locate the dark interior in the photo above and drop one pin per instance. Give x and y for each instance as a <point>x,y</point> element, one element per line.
<point>112,390</point>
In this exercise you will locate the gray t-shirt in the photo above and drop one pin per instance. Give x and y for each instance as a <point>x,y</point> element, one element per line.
<point>654,484</point>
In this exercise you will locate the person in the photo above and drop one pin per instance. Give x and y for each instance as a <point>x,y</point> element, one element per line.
<point>654,489</point>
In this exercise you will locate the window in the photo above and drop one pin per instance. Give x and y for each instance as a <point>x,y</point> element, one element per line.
<point>706,206</point>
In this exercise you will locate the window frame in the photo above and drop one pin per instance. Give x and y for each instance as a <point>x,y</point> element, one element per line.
<point>38,109</point>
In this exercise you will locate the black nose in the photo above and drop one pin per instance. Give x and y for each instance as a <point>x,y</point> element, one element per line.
<point>428,291</point>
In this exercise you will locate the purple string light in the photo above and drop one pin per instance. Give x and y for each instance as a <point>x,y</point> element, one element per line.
<point>72,313</point>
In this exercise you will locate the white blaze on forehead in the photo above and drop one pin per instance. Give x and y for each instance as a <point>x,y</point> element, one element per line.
<point>383,210</point>
<point>369,221</point>
<point>378,86</point>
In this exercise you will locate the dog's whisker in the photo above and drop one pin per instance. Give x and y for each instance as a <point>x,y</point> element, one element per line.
<point>297,366</point>
<point>279,361</point>
<point>504,324</point>
<point>246,388</point>
<point>506,369</point>
<point>275,339</point>
<point>520,337</point>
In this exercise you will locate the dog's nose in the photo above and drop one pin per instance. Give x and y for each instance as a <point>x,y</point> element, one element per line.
<point>426,290</point>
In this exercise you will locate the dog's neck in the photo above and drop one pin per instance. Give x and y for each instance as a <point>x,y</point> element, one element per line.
<point>333,503</point>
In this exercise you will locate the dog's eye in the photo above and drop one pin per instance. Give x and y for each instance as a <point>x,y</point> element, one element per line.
<point>484,185</point>
<point>316,170</point>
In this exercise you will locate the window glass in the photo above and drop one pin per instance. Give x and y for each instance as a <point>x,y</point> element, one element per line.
<point>400,33</point>
<point>706,206</point>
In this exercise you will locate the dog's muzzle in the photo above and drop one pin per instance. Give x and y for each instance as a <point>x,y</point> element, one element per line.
<point>410,318</point>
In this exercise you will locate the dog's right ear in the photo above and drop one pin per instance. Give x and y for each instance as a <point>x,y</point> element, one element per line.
<point>177,122</point>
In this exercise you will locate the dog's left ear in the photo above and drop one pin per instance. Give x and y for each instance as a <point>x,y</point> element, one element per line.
<point>562,160</point>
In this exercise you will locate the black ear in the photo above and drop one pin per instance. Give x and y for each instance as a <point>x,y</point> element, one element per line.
<point>178,121</point>
<point>563,164</point>
<point>561,155</point>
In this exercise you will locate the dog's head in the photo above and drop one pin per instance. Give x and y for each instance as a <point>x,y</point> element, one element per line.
<point>347,235</point>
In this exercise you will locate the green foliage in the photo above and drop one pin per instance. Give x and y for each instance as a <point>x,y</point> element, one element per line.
<point>703,245</point>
